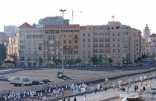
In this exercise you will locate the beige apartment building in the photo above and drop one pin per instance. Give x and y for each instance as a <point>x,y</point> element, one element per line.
<point>119,42</point>
<point>53,43</point>
<point>12,48</point>
<point>43,45</point>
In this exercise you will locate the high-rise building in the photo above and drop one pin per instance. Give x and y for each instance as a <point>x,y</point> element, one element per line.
<point>10,30</point>
<point>2,51</point>
<point>55,20</point>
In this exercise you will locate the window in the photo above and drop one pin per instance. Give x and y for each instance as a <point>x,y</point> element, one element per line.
<point>75,52</point>
<point>83,40</point>
<point>95,33</point>
<point>75,41</point>
<point>40,42</point>
<point>101,45</point>
<point>113,39</point>
<point>95,45</point>
<point>69,41</point>
<point>88,56</point>
<point>70,36</point>
<point>113,34</point>
<point>76,30</point>
<point>88,40</point>
<point>107,45</point>
<point>88,45</point>
<point>95,50</point>
<point>22,59</point>
<point>118,34</point>
<point>107,39</point>
<point>83,34</point>
<point>76,47</point>
<point>101,50</point>
<point>117,27</point>
<point>118,50</point>
<point>118,44</point>
<point>95,28</point>
<point>40,47</point>
<point>64,41</point>
<point>64,36</point>
<point>118,39</point>
<point>70,52</point>
<point>118,55</point>
<point>113,50</point>
<point>34,41</point>
<point>88,34</point>
<point>107,50</point>
<point>113,55</point>
<point>83,51</point>
<point>84,45</point>
<point>101,28</point>
<point>106,33</point>
<point>101,33</point>
<point>101,40</point>
<point>113,45</point>
<point>95,40</point>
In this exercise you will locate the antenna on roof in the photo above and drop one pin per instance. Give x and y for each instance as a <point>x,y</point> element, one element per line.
<point>113,18</point>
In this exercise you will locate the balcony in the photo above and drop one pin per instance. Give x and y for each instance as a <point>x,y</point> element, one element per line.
<point>76,38</point>
<point>21,38</point>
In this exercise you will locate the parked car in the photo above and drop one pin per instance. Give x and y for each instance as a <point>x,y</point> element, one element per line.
<point>37,82</point>
<point>4,78</point>
<point>46,80</point>
<point>20,80</point>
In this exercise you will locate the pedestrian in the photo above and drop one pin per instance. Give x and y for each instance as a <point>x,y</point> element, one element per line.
<point>68,98</point>
<point>95,90</point>
<point>44,98</point>
<point>105,88</point>
<point>135,88</point>
<point>144,88</point>
<point>84,99</point>
<point>64,99</point>
<point>75,99</point>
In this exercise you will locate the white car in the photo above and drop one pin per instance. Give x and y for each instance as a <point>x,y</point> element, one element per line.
<point>20,80</point>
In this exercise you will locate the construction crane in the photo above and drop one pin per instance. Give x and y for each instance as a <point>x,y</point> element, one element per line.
<point>73,15</point>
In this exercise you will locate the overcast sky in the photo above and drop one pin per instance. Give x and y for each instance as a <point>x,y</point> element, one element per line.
<point>136,13</point>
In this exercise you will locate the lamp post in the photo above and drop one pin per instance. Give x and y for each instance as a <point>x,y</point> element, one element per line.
<point>62,38</point>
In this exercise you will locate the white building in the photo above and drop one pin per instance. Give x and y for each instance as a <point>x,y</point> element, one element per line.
<point>10,30</point>
<point>55,20</point>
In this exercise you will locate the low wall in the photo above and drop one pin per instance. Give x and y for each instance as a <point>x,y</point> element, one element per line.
<point>63,83</point>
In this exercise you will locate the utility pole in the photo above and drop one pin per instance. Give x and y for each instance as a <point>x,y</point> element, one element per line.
<point>73,15</point>
<point>62,38</point>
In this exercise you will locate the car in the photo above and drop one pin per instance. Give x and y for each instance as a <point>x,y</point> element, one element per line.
<point>37,82</point>
<point>4,78</point>
<point>46,80</point>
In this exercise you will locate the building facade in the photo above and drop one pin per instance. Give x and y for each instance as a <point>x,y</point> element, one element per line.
<point>55,20</point>
<point>10,30</point>
<point>151,45</point>
<point>12,48</point>
<point>43,45</point>
<point>2,51</point>
<point>119,42</point>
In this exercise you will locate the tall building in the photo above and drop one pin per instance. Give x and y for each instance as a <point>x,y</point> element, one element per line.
<point>146,33</point>
<point>151,45</point>
<point>119,42</point>
<point>55,20</point>
<point>10,30</point>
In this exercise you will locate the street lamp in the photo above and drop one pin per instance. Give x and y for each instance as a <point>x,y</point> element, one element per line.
<point>62,38</point>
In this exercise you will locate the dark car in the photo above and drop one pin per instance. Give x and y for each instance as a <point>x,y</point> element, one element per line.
<point>46,80</point>
<point>36,82</point>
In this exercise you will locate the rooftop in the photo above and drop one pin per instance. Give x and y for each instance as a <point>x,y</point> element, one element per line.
<point>153,35</point>
<point>64,26</point>
<point>25,25</point>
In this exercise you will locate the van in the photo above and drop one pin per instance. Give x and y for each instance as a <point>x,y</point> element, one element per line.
<point>20,80</point>
<point>153,90</point>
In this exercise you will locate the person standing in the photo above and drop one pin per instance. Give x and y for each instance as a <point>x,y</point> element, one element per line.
<point>75,99</point>
<point>68,98</point>
<point>95,90</point>
<point>144,88</point>
<point>85,99</point>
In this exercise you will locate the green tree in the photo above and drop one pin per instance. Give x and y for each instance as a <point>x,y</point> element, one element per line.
<point>76,61</point>
<point>110,60</point>
<point>136,61</point>
<point>93,59</point>
<point>57,61</point>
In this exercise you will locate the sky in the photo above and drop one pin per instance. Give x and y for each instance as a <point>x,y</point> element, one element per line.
<point>135,13</point>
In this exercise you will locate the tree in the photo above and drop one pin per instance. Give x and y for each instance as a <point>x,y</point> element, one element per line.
<point>110,60</point>
<point>135,61</point>
<point>139,59</point>
<point>93,59</point>
<point>40,60</point>
<point>56,61</point>
<point>77,61</point>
